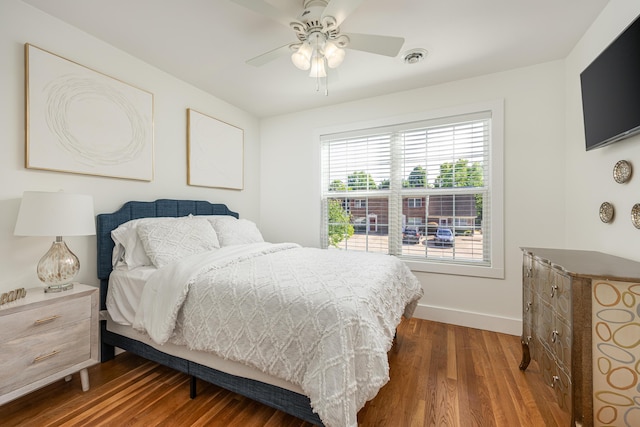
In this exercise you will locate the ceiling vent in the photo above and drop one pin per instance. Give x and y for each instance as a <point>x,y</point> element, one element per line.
<point>414,56</point>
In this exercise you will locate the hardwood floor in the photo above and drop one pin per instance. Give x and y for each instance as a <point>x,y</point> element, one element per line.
<point>441,375</point>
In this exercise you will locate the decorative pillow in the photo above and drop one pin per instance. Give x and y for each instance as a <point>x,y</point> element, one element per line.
<point>232,231</point>
<point>128,247</point>
<point>169,241</point>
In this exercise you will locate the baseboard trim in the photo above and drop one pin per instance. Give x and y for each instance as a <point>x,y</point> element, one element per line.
<point>469,319</point>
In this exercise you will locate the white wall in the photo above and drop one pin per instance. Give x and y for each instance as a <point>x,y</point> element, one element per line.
<point>20,23</point>
<point>589,175</point>
<point>534,181</point>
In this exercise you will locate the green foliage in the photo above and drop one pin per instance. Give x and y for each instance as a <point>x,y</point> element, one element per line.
<point>337,185</point>
<point>340,227</point>
<point>462,174</point>
<point>360,180</point>
<point>417,178</point>
<point>459,174</point>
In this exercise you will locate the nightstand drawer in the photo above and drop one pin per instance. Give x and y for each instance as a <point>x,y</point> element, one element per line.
<point>29,358</point>
<point>42,319</point>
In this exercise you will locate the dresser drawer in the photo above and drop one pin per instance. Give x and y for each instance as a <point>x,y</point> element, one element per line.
<point>561,291</point>
<point>562,345</point>
<point>29,358</point>
<point>44,318</point>
<point>562,387</point>
<point>544,324</point>
<point>555,378</point>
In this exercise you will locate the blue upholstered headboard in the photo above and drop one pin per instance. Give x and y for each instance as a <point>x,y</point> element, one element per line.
<point>134,210</point>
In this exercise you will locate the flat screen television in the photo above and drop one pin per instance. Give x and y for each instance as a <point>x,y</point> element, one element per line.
<point>611,91</point>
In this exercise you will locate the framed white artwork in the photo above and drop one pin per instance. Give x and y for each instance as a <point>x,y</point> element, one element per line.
<point>215,152</point>
<point>81,121</point>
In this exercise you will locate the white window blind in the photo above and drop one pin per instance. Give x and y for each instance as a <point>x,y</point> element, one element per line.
<point>390,189</point>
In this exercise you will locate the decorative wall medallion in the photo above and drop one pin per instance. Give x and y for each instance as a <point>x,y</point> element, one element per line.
<point>606,212</point>
<point>635,215</point>
<point>622,172</point>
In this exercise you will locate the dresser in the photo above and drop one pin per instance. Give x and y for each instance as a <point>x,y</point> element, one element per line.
<point>557,328</point>
<point>45,337</point>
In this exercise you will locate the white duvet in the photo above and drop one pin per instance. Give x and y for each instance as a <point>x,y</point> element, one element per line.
<point>321,319</point>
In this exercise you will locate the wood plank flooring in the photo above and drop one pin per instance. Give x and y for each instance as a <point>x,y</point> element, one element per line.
<point>441,375</point>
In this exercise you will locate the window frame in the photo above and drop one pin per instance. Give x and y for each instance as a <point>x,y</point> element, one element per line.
<point>495,173</point>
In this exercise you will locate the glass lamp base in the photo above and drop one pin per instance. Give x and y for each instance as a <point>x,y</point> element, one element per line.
<point>58,288</point>
<point>58,267</point>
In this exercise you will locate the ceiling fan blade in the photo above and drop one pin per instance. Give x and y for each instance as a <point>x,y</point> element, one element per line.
<point>270,56</point>
<point>381,45</point>
<point>266,9</point>
<point>340,9</point>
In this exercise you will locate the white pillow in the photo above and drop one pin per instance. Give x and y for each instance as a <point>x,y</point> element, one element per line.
<point>232,231</point>
<point>128,247</point>
<point>168,241</point>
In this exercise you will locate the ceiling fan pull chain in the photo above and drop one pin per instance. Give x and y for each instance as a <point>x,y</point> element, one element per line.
<point>326,85</point>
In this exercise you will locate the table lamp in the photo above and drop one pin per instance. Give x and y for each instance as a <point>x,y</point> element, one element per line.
<point>56,214</point>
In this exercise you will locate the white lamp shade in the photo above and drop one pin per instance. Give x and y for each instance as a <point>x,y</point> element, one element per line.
<point>334,54</point>
<point>55,214</point>
<point>317,67</point>
<point>302,57</point>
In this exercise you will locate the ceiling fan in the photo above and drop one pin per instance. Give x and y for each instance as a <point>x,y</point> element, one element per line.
<point>320,42</point>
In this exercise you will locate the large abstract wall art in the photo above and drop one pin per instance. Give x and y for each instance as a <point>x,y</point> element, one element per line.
<point>81,121</point>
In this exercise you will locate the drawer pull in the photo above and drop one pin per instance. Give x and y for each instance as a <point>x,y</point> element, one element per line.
<point>45,356</point>
<point>554,288</point>
<point>528,308</point>
<point>554,380</point>
<point>554,336</point>
<point>46,319</point>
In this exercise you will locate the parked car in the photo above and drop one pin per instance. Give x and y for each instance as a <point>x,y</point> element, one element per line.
<point>444,236</point>
<point>411,235</point>
<point>432,227</point>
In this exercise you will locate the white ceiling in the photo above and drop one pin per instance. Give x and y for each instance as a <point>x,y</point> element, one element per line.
<point>206,43</point>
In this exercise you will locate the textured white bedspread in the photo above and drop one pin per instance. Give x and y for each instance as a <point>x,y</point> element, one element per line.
<point>322,319</point>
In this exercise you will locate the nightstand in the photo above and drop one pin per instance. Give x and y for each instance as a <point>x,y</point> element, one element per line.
<point>45,337</point>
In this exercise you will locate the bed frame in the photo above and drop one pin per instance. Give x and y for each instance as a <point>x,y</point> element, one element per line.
<point>287,401</point>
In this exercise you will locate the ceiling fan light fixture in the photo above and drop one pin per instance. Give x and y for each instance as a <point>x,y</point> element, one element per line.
<point>320,43</point>
<point>302,57</point>
<point>334,54</point>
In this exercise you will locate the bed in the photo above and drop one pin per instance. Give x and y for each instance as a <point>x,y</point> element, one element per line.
<point>200,312</point>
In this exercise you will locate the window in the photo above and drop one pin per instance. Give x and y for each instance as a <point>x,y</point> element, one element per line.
<point>360,203</point>
<point>414,221</point>
<point>441,172</point>
<point>415,202</point>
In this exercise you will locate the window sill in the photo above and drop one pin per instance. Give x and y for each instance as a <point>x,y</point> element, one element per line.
<point>455,269</point>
